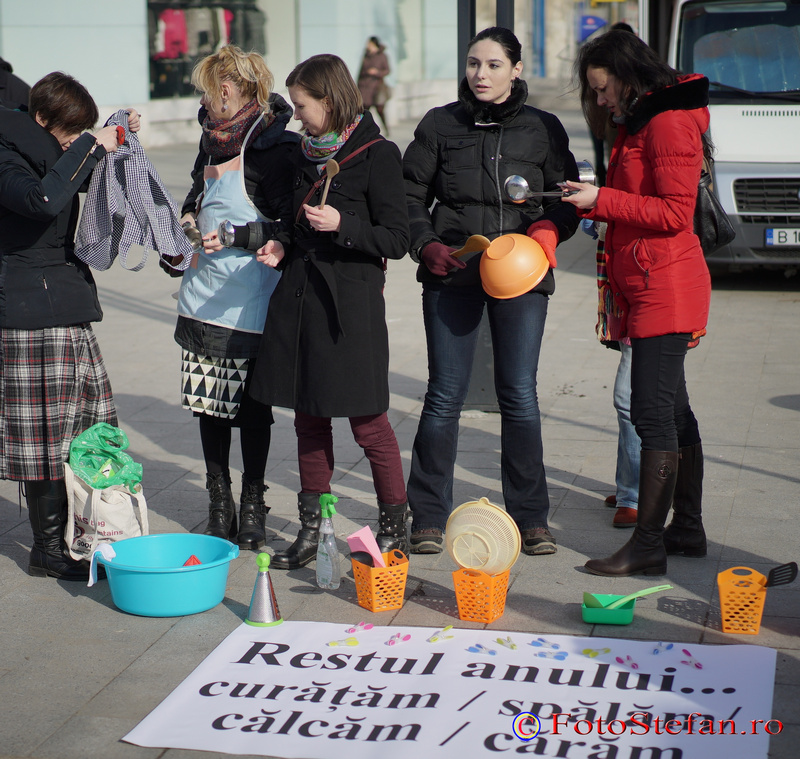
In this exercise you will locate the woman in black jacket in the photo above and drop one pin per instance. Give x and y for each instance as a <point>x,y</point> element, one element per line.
<point>242,175</point>
<point>53,384</point>
<point>459,159</point>
<point>325,349</point>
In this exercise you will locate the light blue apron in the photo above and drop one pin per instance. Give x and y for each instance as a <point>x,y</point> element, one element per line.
<point>229,288</point>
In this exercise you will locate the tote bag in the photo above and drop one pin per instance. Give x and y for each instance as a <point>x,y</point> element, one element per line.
<point>101,515</point>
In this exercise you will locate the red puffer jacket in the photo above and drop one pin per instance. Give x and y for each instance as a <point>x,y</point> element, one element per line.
<point>655,264</point>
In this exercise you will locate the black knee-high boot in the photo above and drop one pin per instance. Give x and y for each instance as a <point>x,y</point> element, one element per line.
<point>304,548</point>
<point>47,511</point>
<point>644,553</point>
<point>685,534</point>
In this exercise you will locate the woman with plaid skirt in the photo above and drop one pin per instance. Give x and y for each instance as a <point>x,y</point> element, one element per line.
<point>53,384</point>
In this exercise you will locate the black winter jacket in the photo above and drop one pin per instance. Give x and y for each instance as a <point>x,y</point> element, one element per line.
<point>460,158</point>
<point>42,284</point>
<point>325,349</point>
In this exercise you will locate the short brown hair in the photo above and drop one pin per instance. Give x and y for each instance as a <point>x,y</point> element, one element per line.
<point>62,102</point>
<point>231,64</point>
<point>327,76</point>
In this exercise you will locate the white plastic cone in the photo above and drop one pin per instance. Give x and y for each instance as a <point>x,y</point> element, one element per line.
<point>263,605</point>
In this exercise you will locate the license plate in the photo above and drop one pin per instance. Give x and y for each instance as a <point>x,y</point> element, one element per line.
<point>779,237</point>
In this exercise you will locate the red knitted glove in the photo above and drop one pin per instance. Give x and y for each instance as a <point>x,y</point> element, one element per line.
<point>437,258</point>
<point>546,234</point>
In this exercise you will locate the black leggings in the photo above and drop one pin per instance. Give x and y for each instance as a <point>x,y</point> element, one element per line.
<point>215,436</point>
<point>660,408</point>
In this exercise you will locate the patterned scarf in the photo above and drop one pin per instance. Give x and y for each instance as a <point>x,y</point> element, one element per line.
<point>320,149</point>
<point>224,138</point>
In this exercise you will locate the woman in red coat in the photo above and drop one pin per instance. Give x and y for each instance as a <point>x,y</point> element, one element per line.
<point>658,274</point>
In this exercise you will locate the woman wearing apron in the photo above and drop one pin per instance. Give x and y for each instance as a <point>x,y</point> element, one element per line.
<point>242,175</point>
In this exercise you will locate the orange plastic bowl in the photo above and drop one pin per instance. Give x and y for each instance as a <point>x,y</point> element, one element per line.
<point>512,265</point>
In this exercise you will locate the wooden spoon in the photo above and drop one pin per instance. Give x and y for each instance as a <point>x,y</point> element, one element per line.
<point>331,170</point>
<point>473,244</point>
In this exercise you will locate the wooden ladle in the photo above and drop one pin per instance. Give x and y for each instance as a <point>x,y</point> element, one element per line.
<point>331,170</point>
<point>473,244</point>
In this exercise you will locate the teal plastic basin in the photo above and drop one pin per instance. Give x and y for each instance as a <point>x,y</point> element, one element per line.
<point>147,576</point>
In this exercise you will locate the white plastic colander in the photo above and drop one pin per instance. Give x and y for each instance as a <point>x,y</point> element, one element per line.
<point>482,536</point>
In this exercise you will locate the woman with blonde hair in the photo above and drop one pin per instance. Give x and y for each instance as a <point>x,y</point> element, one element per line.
<point>243,175</point>
<point>325,352</point>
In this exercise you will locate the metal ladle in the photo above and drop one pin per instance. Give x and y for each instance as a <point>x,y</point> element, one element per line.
<point>518,191</point>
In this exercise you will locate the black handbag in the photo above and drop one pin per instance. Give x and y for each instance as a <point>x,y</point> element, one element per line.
<point>711,223</point>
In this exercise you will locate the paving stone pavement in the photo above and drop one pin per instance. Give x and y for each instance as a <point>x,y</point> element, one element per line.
<point>76,674</point>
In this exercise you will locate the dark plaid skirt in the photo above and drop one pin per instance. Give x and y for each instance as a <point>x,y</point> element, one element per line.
<point>53,386</point>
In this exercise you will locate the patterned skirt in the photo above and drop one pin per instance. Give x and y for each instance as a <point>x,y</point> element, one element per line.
<point>53,386</point>
<point>217,387</point>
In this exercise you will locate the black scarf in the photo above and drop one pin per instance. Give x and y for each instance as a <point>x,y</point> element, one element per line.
<point>493,113</point>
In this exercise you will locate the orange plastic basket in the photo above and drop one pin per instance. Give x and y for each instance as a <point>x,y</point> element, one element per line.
<point>480,597</point>
<point>382,588</point>
<point>742,592</point>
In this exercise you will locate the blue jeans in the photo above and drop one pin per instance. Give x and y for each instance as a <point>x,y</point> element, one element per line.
<point>452,316</point>
<point>629,447</point>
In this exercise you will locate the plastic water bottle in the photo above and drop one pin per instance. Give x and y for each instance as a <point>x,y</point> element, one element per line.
<point>329,572</point>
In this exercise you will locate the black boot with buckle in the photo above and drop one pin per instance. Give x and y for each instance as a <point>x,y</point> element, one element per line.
<point>392,527</point>
<point>304,548</point>
<point>221,507</point>
<point>252,514</point>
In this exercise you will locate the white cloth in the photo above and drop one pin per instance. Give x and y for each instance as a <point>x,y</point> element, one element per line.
<point>127,204</point>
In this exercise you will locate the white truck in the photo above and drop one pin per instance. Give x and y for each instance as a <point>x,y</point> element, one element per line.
<point>750,52</point>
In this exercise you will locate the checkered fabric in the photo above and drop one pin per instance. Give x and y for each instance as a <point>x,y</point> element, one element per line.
<point>212,385</point>
<point>127,204</point>
<point>53,386</point>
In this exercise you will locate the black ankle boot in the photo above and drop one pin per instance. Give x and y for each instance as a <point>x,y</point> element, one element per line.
<point>47,511</point>
<point>252,515</point>
<point>304,548</point>
<point>685,534</point>
<point>644,553</point>
<point>392,527</point>
<point>221,508</point>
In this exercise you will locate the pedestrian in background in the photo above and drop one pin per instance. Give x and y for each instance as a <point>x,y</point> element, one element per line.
<point>242,174</point>
<point>53,383</point>
<point>657,273</point>
<point>325,351</point>
<point>371,79</point>
<point>460,156</point>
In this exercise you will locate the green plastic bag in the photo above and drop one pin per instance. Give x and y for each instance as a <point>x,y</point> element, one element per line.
<point>98,457</point>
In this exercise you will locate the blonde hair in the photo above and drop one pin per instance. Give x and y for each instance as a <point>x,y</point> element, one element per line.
<point>247,71</point>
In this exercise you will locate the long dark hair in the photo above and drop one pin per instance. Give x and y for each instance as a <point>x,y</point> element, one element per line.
<point>503,37</point>
<point>636,66</point>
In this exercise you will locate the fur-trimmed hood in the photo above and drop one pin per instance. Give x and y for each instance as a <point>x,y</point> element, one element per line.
<point>689,94</point>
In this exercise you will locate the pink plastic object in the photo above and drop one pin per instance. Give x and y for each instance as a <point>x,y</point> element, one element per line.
<point>364,540</point>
